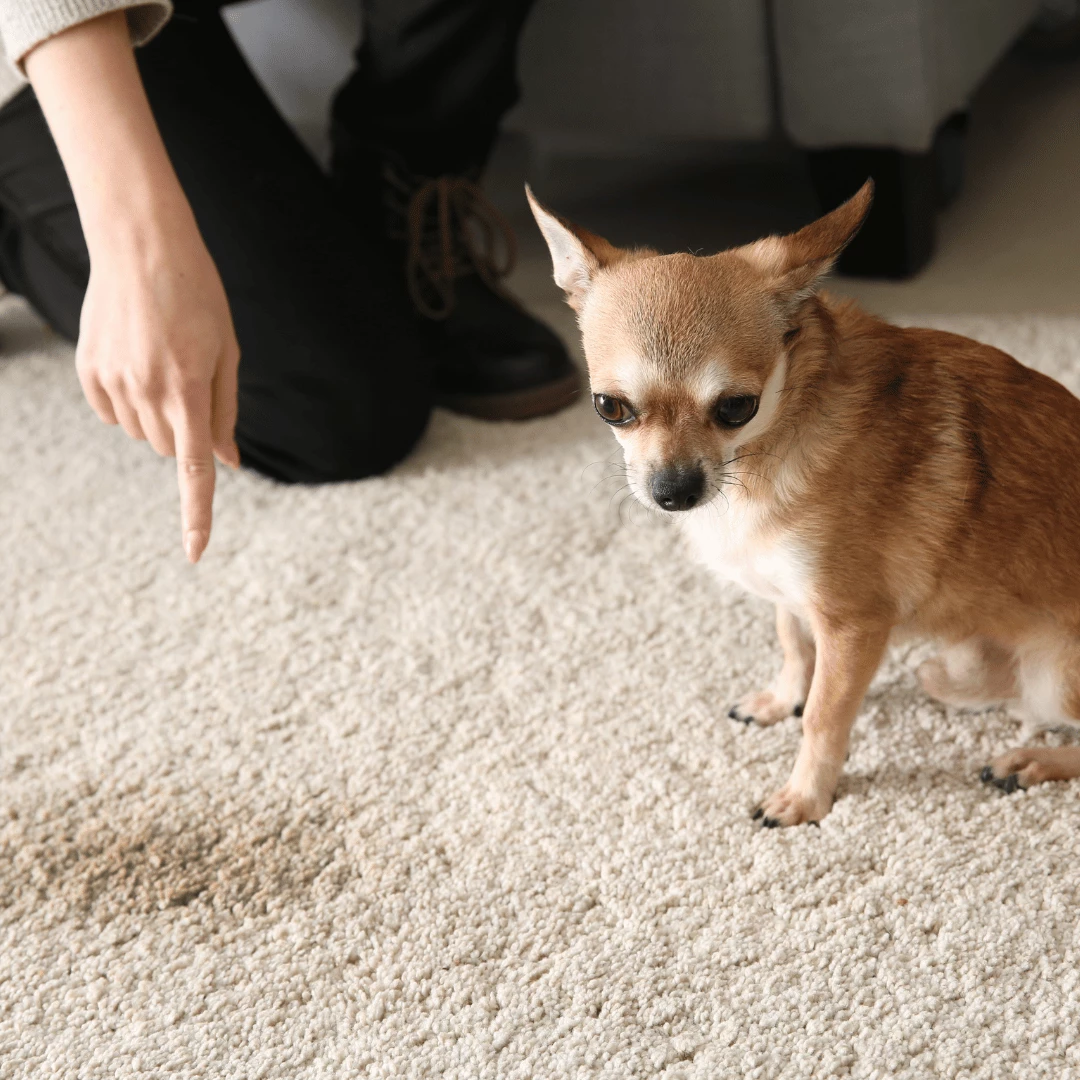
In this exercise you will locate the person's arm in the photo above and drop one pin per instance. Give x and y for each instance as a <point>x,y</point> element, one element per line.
<point>157,352</point>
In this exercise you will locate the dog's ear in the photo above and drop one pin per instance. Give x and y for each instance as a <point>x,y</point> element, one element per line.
<point>796,263</point>
<point>576,253</point>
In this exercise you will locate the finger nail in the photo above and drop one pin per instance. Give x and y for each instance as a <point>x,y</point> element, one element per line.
<point>195,544</point>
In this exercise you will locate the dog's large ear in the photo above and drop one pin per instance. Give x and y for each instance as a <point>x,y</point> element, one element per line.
<point>576,253</point>
<point>799,261</point>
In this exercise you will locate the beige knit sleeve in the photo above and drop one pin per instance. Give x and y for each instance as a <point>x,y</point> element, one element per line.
<point>26,23</point>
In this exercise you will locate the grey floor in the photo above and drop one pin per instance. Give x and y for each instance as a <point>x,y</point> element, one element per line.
<point>1010,243</point>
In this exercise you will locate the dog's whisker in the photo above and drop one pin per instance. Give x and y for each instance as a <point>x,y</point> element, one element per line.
<point>718,490</point>
<point>732,478</point>
<point>628,498</point>
<point>606,479</point>
<point>618,465</point>
<point>752,454</point>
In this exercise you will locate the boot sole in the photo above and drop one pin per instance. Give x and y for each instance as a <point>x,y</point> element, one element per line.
<point>518,404</point>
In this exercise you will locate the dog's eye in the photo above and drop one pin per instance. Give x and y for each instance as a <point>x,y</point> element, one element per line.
<point>736,411</point>
<point>611,410</point>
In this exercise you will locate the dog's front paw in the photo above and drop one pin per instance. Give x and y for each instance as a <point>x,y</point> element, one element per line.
<point>763,709</point>
<point>788,807</point>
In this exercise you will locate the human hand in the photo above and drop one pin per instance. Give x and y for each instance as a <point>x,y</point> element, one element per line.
<point>157,352</point>
<point>158,355</point>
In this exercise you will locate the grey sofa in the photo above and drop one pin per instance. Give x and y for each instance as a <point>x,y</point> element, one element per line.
<point>864,86</point>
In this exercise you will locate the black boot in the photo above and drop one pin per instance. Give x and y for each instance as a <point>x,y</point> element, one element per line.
<point>495,361</point>
<point>411,130</point>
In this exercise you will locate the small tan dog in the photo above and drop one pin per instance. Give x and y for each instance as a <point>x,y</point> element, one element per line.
<point>868,479</point>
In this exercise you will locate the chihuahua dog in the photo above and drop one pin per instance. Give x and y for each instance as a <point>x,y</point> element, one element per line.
<point>868,479</point>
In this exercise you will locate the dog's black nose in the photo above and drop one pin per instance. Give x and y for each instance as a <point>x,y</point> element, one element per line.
<point>677,487</point>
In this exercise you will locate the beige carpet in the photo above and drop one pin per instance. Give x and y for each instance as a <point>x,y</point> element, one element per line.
<point>430,775</point>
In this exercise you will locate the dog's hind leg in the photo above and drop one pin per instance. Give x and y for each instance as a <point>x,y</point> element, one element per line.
<point>1049,678</point>
<point>1026,766</point>
<point>787,695</point>
<point>971,674</point>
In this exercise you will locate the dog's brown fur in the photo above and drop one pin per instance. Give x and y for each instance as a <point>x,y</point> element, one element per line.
<point>899,480</point>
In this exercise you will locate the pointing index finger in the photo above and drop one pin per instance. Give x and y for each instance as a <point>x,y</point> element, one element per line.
<point>195,476</point>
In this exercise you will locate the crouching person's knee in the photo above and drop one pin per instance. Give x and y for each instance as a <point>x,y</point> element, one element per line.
<point>314,435</point>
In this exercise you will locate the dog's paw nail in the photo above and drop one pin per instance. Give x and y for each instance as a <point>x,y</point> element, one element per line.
<point>733,713</point>
<point>758,813</point>
<point>816,824</point>
<point>987,774</point>
<point>1010,784</point>
<point>770,823</point>
<point>798,710</point>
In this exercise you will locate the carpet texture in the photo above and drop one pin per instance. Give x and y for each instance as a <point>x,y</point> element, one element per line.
<point>430,776</point>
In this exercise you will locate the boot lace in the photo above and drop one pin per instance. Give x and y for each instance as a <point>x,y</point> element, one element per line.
<point>452,229</point>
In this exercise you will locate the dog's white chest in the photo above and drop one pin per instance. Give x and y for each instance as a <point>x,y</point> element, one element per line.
<point>733,543</point>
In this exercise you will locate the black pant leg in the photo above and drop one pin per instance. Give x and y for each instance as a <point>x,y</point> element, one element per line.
<point>434,79</point>
<point>42,252</point>
<point>334,380</point>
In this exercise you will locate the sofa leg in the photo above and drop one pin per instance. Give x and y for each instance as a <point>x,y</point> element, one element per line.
<point>898,237</point>
<point>950,152</point>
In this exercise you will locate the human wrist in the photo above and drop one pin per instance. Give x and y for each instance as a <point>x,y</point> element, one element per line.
<point>144,210</point>
<point>125,188</point>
